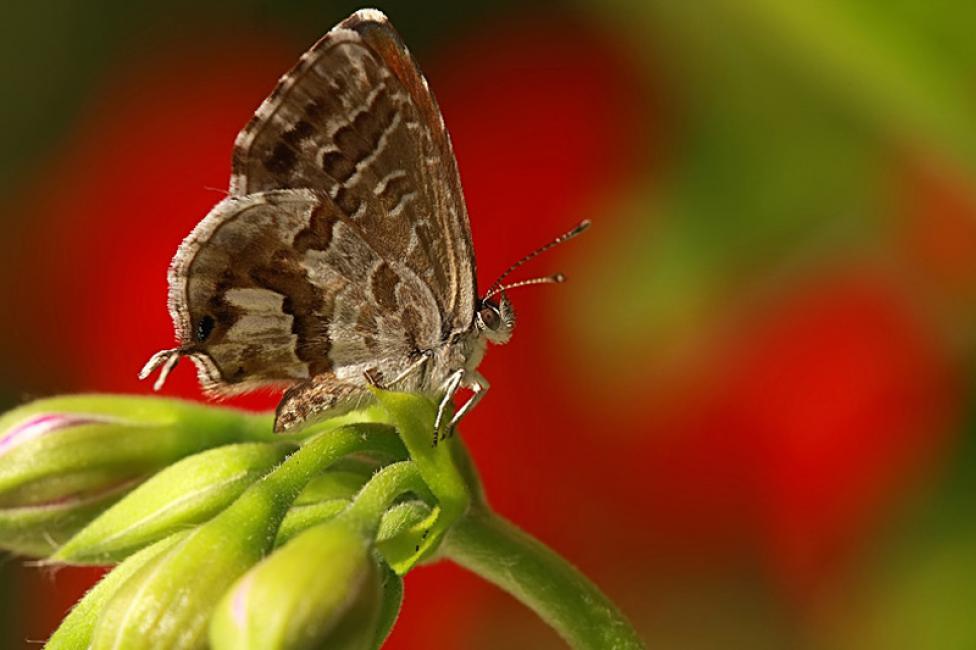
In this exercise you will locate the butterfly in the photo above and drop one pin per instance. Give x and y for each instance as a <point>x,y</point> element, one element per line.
<point>342,256</point>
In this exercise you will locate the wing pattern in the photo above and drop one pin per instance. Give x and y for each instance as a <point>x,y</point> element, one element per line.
<point>276,287</point>
<point>356,120</point>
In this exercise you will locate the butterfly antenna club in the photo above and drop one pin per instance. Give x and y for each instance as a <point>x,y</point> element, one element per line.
<point>555,278</point>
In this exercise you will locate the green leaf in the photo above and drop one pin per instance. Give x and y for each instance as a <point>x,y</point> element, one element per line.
<point>389,607</point>
<point>882,69</point>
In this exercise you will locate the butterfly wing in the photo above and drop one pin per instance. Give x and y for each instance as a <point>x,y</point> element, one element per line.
<point>280,286</point>
<point>344,247</point>
<point>356,120</point>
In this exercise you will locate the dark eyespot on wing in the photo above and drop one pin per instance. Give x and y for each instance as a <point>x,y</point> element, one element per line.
<point>204,328</point>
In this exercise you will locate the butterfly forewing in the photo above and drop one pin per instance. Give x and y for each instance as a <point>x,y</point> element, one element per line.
<point>356,120</point>
<point>437,164</point>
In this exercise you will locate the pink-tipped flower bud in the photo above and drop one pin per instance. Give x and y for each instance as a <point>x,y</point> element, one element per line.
<point>64,460</point>
<point>321,590</point>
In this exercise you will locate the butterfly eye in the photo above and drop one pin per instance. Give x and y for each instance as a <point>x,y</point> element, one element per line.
<point>490,317</point>
<point>204,328</point>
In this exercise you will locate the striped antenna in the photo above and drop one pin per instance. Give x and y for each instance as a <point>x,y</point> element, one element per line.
<point>496,287</point>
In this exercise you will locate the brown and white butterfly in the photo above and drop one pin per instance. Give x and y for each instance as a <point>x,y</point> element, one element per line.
<point>342,255</point>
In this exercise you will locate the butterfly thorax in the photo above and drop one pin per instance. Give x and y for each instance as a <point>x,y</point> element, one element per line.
<point>464,353</point>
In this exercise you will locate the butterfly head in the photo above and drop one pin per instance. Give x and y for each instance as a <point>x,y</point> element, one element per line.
<point>495,319</point>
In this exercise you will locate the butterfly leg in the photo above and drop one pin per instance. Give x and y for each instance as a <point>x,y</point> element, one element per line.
<point>479,386</point>
<point>167,359</point>
<point>372,380</point>
<point>413,367</point>
<point>450,387</point>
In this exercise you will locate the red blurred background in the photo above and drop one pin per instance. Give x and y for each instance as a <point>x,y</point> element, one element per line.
<point>747,417</point>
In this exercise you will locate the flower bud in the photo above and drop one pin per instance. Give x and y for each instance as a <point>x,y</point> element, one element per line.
<point>76,629</point>
<point>404,531</point>
<point>39,530</point>
<point>401,518</point>
<point>185,493</point>
<point>321,590</point>
<point>70,447</point>
<point>169,601</point>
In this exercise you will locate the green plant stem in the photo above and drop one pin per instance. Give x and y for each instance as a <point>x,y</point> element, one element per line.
<point>366,510</point>
<point>501,553</point>
<point>413,416</point>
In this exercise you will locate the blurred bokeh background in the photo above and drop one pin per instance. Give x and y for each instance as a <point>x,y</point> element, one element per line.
<point>750,417</point>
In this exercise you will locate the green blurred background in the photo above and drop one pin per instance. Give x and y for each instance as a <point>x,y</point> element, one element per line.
<point>750,417</point>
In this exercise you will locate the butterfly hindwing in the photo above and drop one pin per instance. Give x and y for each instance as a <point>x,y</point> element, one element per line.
<point>279,286</point>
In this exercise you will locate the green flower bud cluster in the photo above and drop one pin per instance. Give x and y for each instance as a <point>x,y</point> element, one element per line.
<point>222,534</point>
<point>65,460</point>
